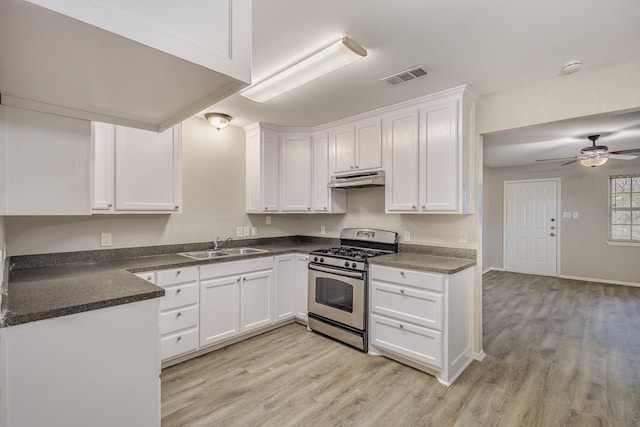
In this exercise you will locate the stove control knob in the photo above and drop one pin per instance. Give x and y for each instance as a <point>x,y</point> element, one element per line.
<point>315,259</point>
<point>321,259</point>
<point>346,264</point>
<point>354,265</point>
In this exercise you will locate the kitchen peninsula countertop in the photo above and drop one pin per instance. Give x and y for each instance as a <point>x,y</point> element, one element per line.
<point>424,262</point>
<point>46,286</point>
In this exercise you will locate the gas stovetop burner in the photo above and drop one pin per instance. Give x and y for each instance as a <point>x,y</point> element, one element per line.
<point>350,253</point>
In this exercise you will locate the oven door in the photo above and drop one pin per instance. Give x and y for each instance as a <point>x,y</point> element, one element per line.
<point>337,295</point>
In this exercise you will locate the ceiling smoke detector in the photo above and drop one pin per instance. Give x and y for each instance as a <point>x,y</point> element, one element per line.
<point>572,66</point>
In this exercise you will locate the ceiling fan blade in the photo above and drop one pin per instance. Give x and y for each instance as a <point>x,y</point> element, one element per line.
<point>555,160</point>
<point>623,156</point>
<point>631,151</point>
<point>568,163</point>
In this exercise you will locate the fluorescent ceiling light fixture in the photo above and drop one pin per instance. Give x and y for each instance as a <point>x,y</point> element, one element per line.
<point>217,120</point>
<point>595,161</point>
<point>337,55</point>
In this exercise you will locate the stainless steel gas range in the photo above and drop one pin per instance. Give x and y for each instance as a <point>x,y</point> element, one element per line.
<point>338,295</point>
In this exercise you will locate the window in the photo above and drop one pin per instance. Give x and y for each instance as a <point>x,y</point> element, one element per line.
<point>624,208</point>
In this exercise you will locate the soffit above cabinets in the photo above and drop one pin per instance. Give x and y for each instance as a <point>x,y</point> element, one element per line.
<point>151,76</point>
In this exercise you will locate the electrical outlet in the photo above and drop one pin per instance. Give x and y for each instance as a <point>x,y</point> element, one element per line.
<point>407,236</point>
<point>254,231</point>
<point>267,219</point>
<point>105,239</point>
<point>575,215</point>
<point>323,230</point>
<point>238,231</point>
<point>245,231</point>
<point>566,214</point>
<point>462,236</point>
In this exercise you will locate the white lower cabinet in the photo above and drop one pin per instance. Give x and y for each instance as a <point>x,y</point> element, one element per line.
<point>301,287</point>
<point>235,297</point>
<point>285,270</point>
<point>422,319</point>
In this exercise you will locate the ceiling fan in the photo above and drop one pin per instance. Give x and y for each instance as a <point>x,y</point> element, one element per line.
<point>597,155</point>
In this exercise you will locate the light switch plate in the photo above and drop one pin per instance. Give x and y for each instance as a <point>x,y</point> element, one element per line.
<point>254,231</point>
<point>462,237</point>
<point>407,236</point>
<point>245,231</point>
<point>566,214</point>
<point>575,215</point>
<point>238,231</point>
<point>323,230</point>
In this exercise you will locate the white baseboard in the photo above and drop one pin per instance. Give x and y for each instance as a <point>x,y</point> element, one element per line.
<point>479,356</point>
<point>591,279</point>
<point>492,269</point>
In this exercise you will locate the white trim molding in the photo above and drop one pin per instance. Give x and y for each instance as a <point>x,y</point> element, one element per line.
<point>609,282</point>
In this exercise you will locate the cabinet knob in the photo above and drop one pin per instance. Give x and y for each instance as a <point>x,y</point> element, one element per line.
<point>402,273</point>
<point>178,338</point>
<point>351,167</point>
<point>177,207</point>
<point>401,326</point>
<point>324,207</point>
<point>238,281</point>
<point>308,209</point>
<point>149,277</point>
<point>244,279</point>
<point>178,272</point>
<point>357,167</point>
<point>265,208</point>
<point>178,314</point>
<point>178,290</point>
<point>402,291</point>
<point>109,205</point>
<point>413,206</point>
<point>424,207</point>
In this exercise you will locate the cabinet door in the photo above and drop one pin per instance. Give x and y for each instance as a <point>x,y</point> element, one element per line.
<point>253,175</point>
<point>219,309</point>
<point>324,199</point>
<point>256,300</point>
<point>440,157</point>
<point>368,144</point>
<point>401,145</point>
<point>301,286</point>
<point>269,170</point>
<point>285,272</point>
<point>103,137</point>
<point>344,149</point>
<point>295,173</point>
<point>147,170</point>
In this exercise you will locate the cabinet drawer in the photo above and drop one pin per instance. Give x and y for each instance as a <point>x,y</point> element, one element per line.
<point>176,275</point>
<point>414,342</point>
<point>180,343</point>
<point>408,304</point>
<point>149,276</point>
<point>175,320</point>
<point>231,268</point>
<point>418,279</point>
<point>179,296</point>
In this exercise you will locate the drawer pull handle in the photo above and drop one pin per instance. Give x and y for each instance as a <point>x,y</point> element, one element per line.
<point>178,290</point>
<point>402,291</point>
<point>401,326</point>
<point>178,339</point>
<point>178,314</point>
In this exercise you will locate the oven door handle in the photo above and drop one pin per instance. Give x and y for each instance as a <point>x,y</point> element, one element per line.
<point>337,272</point>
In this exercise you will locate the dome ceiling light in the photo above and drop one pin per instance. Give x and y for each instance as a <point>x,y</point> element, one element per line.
<point>217,120</point>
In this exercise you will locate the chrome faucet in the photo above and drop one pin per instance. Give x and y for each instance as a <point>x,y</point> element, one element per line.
<point>218,243</point>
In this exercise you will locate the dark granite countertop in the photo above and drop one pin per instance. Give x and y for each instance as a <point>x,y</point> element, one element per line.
<point>37,293</point>
<point>424,262</point>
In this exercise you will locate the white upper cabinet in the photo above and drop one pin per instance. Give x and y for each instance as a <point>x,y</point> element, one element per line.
<point>136,171</point>
<point>325,199</point>
<point>356,146</point>
<point>46,164</point>
<point>428,150</point>
<point>401,147</point>
<point>142,64</point>
<point>295,167</point>
<point>262,175</point>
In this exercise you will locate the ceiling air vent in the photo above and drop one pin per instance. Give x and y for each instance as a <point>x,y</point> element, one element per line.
<point>406,75</point>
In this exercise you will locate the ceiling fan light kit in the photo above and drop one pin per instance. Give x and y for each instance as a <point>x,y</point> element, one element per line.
<point>598,155</point>
<point>595,161</point>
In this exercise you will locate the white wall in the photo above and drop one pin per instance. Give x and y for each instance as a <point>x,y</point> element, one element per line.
<point>583,241</point>
<point>213,205</point>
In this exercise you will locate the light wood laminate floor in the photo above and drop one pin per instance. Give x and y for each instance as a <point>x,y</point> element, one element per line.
<point>559,353</point>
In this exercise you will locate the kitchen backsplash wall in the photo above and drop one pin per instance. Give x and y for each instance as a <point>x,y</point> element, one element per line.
<point>583,240</point>
<point>213,205</point>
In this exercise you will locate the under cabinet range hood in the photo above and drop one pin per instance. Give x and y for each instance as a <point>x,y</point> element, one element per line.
<point>357,179</point>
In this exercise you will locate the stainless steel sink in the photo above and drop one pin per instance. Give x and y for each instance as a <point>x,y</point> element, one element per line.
<point>204,254</point>
<point>243,251</point>
<point>210,254</point>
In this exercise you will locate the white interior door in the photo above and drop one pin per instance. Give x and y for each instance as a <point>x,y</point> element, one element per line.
<point>531,227</point>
